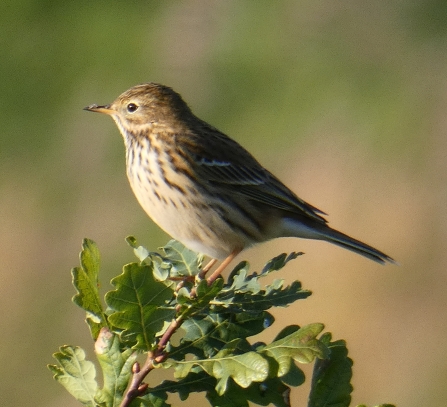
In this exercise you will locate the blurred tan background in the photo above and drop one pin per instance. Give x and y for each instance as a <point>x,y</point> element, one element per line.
<point>344,101</point>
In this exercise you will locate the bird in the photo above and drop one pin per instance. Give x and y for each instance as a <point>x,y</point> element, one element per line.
<point>203,188</point>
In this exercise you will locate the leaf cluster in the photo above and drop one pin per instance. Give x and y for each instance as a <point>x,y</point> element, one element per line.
<point>164,293</point>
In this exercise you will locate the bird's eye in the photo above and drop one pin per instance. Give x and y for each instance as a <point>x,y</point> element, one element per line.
<point>132,107</point>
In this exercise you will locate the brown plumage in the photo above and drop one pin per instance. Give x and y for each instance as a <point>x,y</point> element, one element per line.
<point>202,187</point>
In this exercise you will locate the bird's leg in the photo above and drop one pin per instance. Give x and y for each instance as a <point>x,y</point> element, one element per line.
<point>207,268</point>
<point>222,266</point>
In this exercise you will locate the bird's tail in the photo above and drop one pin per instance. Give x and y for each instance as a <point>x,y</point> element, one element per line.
<point>347,242</point>
<point>310,229</point>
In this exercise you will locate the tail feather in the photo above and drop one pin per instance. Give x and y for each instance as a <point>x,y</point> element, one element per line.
<point>310,229</point>
<point>347,242</point>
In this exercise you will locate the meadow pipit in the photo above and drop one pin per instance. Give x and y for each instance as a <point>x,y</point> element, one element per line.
<point>202,187</point>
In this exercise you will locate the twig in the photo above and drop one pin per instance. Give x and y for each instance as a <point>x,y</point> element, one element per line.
<point>137,387</point>
<point>175,324</point>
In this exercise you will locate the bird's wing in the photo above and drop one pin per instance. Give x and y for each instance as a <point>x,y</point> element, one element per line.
<point>242,171</point>
<point>257,184</point>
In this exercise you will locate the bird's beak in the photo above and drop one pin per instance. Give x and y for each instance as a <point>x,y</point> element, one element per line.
<point>100,109</point>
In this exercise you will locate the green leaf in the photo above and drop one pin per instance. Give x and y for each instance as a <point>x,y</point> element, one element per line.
<point>380,405</point>
<point>286,331</point>
<point>294,377</point>
<point>204,294</point>
<point>150,400</point>
<point>240,281</point>
<point>183,262</point>
<point>141,252</point>
<point>76,374</point>
<point>243,369</point>
<point>206,334</point>
<point>116,368</point>
<point>226,327</point>
<point>85,280</point>
<point>331,377</point>
<point>273,296</point>
<point>192,383</point>
<point>271,391</point>
<point>278,262</point>
<point>243,292</point>
<point>139,305</point>
<point>301,346</point>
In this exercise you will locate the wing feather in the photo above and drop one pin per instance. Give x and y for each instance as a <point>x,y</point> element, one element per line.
<point>222,161</point>
<point>258,184</point>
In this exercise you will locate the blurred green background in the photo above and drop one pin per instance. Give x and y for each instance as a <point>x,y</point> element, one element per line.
<point>344,100</point>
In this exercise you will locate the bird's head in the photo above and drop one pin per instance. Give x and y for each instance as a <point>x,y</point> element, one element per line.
<point>146,106</point>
